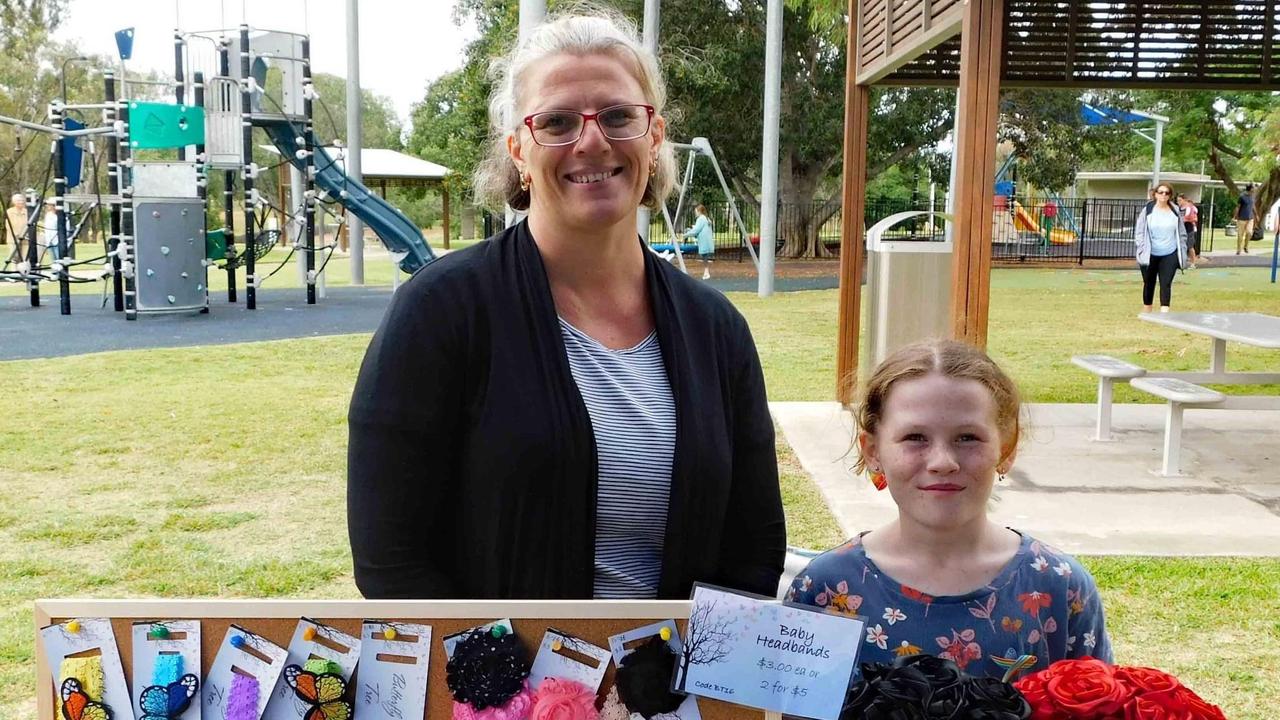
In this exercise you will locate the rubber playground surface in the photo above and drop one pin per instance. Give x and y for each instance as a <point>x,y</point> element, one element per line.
<point>28,333</point>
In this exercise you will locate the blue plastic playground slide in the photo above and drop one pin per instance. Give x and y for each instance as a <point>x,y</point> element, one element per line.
<point>398,232</point>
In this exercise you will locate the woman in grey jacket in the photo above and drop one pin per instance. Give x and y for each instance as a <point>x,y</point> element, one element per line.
<point>1160,244</point>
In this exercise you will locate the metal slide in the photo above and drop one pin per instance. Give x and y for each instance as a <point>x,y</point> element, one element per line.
<point>398,232</point>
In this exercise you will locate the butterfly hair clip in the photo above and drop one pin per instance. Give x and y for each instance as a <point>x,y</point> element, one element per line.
<point>321,692</point>
<point>165,702</point>
<point>76,705</point>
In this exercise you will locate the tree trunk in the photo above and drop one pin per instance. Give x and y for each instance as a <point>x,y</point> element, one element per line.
<point>797,226</point>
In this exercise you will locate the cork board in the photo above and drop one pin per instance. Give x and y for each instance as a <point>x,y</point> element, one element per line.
<point>275,620</point>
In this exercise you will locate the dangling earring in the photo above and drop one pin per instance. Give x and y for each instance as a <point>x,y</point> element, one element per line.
<point>653,166</point>
<point>1001,472</point>
<point>877,479</point>
<point>526,182</point>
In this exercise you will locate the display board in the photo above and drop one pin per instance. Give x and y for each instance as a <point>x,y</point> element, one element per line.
<point>276,620</point>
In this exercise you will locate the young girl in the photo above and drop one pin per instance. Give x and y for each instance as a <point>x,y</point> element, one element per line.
<point>937,423</point>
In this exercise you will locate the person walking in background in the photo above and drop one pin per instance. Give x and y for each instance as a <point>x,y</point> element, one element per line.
<point>1244,216</point>
<point>15,225</point>
<point>705,235</point>
<point>1191,223</point>
<point>1160,244</point>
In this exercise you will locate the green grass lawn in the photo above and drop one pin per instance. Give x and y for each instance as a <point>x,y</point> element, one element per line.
<point>181,473</point>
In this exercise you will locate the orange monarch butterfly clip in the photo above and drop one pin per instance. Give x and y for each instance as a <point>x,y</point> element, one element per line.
<point>322,693</point>
<point>76,705</point>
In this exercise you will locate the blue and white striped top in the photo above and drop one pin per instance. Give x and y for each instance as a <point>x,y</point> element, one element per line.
<point>633,418</point>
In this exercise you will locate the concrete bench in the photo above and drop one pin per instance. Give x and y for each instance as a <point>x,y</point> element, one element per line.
<point>1108,370</point>
<point>1180,394</point>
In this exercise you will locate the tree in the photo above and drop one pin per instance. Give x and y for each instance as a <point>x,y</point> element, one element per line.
<point>1048,134</point>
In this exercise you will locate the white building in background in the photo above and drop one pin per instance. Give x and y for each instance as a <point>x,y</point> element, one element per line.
<point>1135,184</point>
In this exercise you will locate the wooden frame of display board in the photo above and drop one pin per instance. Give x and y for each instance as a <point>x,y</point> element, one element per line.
<point>594,621</point>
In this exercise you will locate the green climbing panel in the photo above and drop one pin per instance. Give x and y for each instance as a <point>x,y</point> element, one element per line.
<point>215,245</point>
<point>161,125</point>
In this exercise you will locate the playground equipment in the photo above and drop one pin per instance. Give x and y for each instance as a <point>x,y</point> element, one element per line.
<point>159,249</point>
<point>699,147</point>
<point>1066,233</point>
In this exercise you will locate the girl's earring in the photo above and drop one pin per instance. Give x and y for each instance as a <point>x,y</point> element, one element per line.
<point>525,182</point>
<point>878,479</point>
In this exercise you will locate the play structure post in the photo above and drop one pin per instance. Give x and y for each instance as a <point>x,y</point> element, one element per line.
<point>1155,172</point>
<point>33,255</point>
<point>355,139</point>
<point>769,153</point>
<point>56,117</point>
<point>309,179</point>
<point>202,177</point>
<point>113,187</point>
<point>228,189</point>
<point>179,83</point>
<point>126,252</point>
<point>246,117</point>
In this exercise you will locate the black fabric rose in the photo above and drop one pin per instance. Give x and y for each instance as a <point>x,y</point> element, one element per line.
<point>486,671</point>
<point>991,699</point>
<point>644,679</point>
<point>925,687</point>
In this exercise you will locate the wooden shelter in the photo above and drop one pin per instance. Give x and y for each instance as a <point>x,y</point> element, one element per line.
<point>980,46</point>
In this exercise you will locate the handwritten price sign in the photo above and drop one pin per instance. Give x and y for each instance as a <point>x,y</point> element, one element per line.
<point>755,652</point>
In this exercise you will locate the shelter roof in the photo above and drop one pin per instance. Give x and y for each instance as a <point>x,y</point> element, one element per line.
<point>1177,44</point>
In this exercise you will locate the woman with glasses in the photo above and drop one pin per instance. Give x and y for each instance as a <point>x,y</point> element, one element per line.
<point>557,412</point>
<point>1160,243</point>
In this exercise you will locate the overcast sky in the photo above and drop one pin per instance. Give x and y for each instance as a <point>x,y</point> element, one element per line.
<point>403,45</point>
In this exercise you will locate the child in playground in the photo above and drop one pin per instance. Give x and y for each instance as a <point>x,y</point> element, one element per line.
<point>706,239</point>
<point>937,423</point>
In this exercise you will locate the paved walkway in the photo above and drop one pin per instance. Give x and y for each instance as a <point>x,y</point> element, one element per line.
<point>1093,498</point>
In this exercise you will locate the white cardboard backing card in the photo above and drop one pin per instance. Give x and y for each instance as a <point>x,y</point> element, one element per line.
<point>93,634</point>
<point>146,649</point>
<point>284,703</point>
<point>688,709</point>
<point>215,690</point>
<point>391,690</point>
<point>550,663</point>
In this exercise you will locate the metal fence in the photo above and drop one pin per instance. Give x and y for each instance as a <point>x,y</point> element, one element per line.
<point>1070,231</point>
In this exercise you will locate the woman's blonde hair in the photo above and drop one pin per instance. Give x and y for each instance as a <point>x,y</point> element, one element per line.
<point>582,29</point>
<point>948,358</point>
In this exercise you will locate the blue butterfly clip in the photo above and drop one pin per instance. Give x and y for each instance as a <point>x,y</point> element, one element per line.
<point>165,702</point>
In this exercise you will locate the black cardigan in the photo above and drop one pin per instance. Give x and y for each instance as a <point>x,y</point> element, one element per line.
<point>471,470</point>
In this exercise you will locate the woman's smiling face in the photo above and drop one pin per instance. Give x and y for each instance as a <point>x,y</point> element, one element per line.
<point>594,182</point>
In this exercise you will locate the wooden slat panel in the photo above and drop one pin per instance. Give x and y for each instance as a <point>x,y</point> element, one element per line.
<point>905,27</point>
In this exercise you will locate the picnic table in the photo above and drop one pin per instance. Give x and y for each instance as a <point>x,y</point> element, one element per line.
<point>1181,388</point>
<point>1252,328</point>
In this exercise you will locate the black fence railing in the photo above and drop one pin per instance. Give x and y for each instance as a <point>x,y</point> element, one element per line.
<point>1069,231</point>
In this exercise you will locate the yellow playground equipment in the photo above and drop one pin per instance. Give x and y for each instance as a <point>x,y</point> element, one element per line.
<point>1023,221</point>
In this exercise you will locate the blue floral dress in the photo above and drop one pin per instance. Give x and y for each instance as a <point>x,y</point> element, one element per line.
<point>1043,603</point>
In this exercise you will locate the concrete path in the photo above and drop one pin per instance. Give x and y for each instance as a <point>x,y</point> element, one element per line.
<point>1088,497</point>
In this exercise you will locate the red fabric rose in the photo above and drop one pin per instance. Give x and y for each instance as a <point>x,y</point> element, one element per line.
<point>1033,689</point>
<point>1088,691</point>
<point>1154,707</point>
<point>1197,707</point>
<point>1141,680</point>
